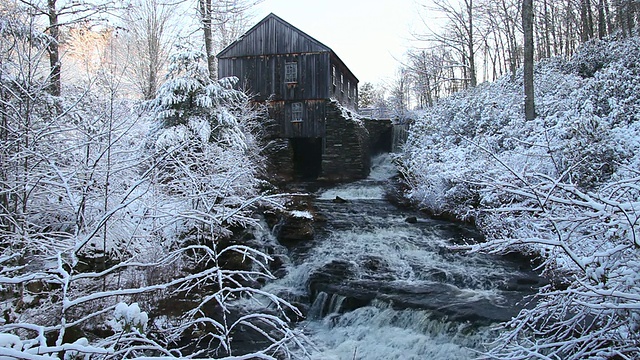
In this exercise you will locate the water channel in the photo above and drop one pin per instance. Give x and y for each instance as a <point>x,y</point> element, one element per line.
<point>379,287</point>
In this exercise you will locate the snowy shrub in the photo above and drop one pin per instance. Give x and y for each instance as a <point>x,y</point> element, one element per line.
<point>92,218</point>
<point>563,187</point>
<point>207,171</point>
<point>129,318</point>
<point>205,132</point>
<point>589,244</point>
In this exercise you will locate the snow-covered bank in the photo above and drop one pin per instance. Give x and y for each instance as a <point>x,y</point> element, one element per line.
<point>565,185</point>
<point>119,228</point>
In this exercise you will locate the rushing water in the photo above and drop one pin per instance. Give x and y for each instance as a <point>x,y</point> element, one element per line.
<point>379,287</point>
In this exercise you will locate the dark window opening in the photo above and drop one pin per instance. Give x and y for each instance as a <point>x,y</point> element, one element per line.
<point>307,157</point>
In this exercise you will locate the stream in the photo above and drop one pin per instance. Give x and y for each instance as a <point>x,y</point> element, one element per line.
<point>375,286</point>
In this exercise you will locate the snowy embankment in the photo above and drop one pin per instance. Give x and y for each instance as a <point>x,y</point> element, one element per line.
<point>565,186</point>
<point>113,213</point>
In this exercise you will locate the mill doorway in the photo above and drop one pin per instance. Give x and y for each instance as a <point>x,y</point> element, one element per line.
<point>307,157</point>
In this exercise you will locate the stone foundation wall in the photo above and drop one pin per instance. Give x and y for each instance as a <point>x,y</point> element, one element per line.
<point>278,153</point>
<point>346,146</point>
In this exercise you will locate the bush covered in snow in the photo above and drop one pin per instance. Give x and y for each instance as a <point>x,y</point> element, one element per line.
<point>564,186</point>
<point>207,155</point>
<point>104,204</point>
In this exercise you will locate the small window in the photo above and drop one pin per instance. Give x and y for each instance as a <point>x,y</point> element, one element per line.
<point>333,75</point>
<point>296,112</point>
<point>349,89</point>
<point>291,72</point>
<point>342,82</point>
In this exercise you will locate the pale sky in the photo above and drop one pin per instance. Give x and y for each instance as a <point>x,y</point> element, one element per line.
<point>366,34</point>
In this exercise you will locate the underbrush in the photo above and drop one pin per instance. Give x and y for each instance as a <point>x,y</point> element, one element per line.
<point>564,186</point>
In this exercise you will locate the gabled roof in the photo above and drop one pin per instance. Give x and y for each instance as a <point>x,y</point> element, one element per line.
<point>270,36</point>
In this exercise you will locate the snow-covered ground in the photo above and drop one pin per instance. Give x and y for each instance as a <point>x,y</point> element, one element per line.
<point>565,186</point>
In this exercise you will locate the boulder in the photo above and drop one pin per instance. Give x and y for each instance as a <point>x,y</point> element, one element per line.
<point>297,222</point>
<point>339,200</point>
<point>411,219</point>
<point>293,229</point>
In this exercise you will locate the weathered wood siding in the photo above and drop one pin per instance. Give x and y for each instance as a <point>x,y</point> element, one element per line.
<point>273,36</point>
<point>313,115</point>
<point>345,86</point>
<point>258,59</point>
<point>263,76</point>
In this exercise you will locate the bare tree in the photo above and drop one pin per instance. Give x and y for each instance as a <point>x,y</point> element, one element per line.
<point>461,35</point>
<point>149,23</point>
<point>586,18</point>
<point>583,317</point>
<point>483,37</point>
<point>60,13</point>
<point>602,24</point>
<point>527,25</point>
<point>101,227</point>
<point>399,93</point>
<point>222,22</point>
<point>626,15</point>
<point>508,13</point>
<point>425,69</point>
<point>23,50</point>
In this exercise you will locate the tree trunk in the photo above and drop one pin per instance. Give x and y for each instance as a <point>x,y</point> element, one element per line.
<point>527,25</point>
<point>154,43</point>
<point>602,25</point>
<point>607,16</point>
<point>429,94</point>
<point>471,50</point>
<point>205,12</point>
<point>4,161</point>
<point>590,19</point>
<point>620,18</point>
<point>556,38</point>
<point>629,10</point>
<point>547,37</point>
<point>53,49</point>
<point>511,41</point>
<point>586,29</point>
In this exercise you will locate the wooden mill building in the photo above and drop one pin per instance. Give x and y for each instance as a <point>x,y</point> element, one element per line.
<point>307,87</point>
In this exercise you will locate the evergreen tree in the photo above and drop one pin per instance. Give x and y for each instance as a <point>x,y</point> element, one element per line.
<point>367,95</point>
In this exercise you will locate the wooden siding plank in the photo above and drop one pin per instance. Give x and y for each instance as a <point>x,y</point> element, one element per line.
<point>273,36</point>
<point>264,76</point>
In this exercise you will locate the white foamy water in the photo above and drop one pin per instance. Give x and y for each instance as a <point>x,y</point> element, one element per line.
<point>382,167</point>
<point>403,269</point>
<point>354,192</point>
<point>378,332</point>
<point>372,188</point>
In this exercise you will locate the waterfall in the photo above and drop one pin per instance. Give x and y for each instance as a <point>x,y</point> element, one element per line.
<point>325,304</point>
<point>376,287</point>
<point>400,133</point>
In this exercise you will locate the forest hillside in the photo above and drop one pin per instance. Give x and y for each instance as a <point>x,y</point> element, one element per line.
<point>564,187</point>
